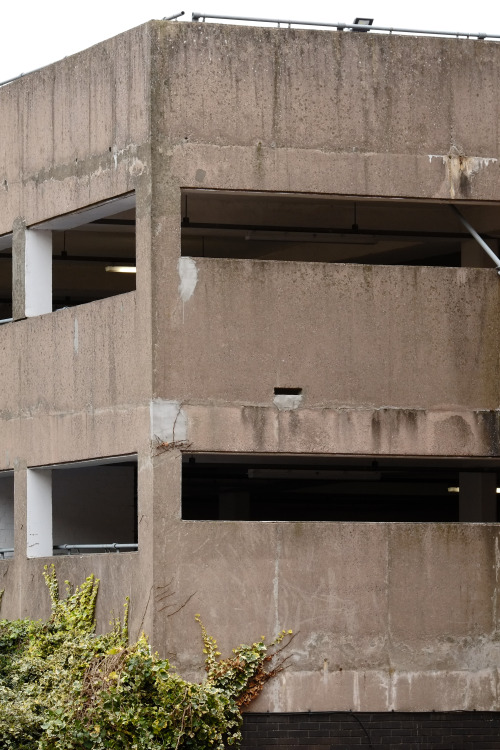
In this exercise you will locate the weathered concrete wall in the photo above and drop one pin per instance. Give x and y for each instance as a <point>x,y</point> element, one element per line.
<point>394,360</point>
<point>238,108</point>
<point>389,616</point>
<point>72,385</point>
<point>349,335</point>
<point>120,575</point>
<point>76,387</point>
<point>321,111</point>
<point>77,383</point>
<point>76,132</point>
<point>404,360</point>
<point>391,360</point>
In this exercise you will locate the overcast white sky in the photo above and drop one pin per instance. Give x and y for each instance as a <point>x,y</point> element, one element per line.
<point>37,32</point>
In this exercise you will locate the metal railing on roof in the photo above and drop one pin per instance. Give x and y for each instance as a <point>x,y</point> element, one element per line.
<point>21,75</point>
<point>340,26</point>
<point>288,23</point>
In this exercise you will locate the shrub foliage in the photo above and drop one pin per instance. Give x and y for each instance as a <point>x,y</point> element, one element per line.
<point>62,687</point>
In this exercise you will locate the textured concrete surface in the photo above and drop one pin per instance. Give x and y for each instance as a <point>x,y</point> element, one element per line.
<point>73,133</point>
<point>388,616</point>
<point>71,382</point>
<point>227,95</point>
<point>348,335</point>
<point>392,361</point>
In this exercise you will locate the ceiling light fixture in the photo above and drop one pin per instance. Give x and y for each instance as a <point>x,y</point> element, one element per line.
<point>457,489</point>
<point>121,269</point>
<point>339,474</point>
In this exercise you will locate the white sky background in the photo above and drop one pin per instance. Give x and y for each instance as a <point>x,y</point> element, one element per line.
<point>37,32</point>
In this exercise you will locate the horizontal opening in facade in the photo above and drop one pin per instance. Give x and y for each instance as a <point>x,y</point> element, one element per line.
<point>5,278</point>
<point>84,256</point>
<point>6,514</point>
<point>329,229</point>
<point>301,488</point>
<point>86,507</point>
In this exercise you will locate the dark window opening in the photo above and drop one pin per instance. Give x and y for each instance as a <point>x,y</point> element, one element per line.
<point>279,226</point>
<point>287,391</point>
<point>338,489</point>
<point>88,255</point>
<point>94,507</point>
<point>5,279</point>
<point>94,261</point>
<point>6,514</point>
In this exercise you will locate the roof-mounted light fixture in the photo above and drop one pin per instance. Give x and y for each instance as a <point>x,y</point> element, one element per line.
<point>363,23</point>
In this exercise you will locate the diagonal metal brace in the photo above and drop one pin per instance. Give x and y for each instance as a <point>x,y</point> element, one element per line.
<point>478,238</point>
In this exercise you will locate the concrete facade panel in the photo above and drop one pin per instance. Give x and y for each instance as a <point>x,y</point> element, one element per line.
<point>346,334</point>
<point>261,121</point>
<point>392,616</point>
<point>457,574</point>
<point>420,176</point>
<point>261,78</point>
<point>78,387</point>
<point>62,143</point>
<point>119,574</point>
<point>327,430</point>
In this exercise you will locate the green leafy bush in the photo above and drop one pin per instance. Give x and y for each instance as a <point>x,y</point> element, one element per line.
<point>62,687</point>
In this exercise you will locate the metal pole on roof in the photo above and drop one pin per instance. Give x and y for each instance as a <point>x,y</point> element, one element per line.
<point>172,18</point>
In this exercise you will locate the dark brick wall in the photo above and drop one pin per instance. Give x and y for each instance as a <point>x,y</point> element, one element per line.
<point>464,730</point>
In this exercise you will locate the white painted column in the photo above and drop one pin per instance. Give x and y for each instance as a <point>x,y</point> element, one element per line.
<point>39,513</point>
<point>38,272</point>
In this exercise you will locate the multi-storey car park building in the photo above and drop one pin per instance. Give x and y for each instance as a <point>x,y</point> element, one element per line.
<point>288,417</point>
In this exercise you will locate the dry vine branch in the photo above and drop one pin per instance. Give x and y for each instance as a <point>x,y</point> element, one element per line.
<point>161,446</point>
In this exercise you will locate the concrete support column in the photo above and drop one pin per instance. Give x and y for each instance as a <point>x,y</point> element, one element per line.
<point>18,245</point>
<point>473,255</point>
<point>20,513</point>
<point>478,499</point>
<point>39,512</point>
<point>234,506</point>
<point>31,272</point>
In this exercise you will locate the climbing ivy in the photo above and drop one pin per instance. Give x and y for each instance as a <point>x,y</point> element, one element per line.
<point>62,687</point>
